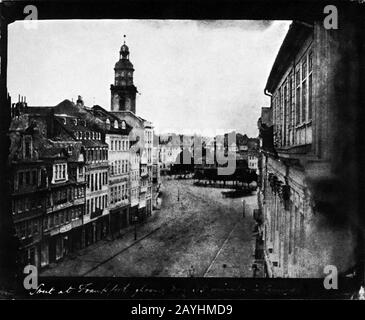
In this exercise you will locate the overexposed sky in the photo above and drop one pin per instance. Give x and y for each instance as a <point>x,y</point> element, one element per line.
<point>203,77</point>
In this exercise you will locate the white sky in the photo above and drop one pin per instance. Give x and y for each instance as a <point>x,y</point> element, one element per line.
<point>194,76</point>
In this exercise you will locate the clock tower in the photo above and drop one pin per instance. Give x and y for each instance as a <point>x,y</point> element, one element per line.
<point>123,91</point>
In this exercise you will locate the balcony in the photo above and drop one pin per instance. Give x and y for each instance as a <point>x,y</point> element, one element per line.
<point>97,213</point>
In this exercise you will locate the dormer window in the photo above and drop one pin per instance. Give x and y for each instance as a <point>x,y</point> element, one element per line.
<point>59,172</point>
<point>69,150</point>
<point>116,124</point>
<point>27,147</point>
<point>123,125</point>
<point>107,122</point>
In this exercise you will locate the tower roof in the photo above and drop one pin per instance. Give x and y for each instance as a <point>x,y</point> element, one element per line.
<point>124,64</point>
<point>124,50</point>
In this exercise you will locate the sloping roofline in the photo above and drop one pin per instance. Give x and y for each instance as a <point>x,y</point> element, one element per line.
<point>297,33</point>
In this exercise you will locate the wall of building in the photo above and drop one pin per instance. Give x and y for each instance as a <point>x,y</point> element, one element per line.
<point>315,224</point>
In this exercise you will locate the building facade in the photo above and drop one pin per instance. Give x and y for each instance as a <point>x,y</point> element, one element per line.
<point>307,204</point>
<point>79,174</point>
<point>117,138</point>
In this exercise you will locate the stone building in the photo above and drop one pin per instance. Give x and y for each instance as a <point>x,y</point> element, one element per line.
<point>65,206</point>
<point>307,191</point>
<point>28,189</point>
<point>49,189</point>
<point>169,149</point>
<point>75,123</point>
<point>117,138</point>
<point>79,174</point>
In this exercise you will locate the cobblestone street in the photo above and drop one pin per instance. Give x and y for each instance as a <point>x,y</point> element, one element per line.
<point>196,233</point>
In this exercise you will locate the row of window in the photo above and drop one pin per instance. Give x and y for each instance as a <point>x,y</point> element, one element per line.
<point>99,202</point>
<point>26,178</point>
<point>118,193</point>
<point>123,82</point>
<point>95,181</point>
<point>96,154</point>
<point>28,228</point>
<point>134,193</point>
<point>119,145</point>
<point>293,102</point>
<point>61,196</point>
<point>60,171</point>
<point>79,192</point>
<point>148,136</point>
<point>252,164</point>
<point>123,74</point>
<point>134,175</point>
<point>60,218</point>
<point>118,167</point>
<point>86,135</point>
<point>25,204</point>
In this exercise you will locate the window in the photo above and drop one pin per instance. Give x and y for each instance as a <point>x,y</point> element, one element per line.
<point>20,179</point>
<point>27,178</point>
<point>310,97</point>
<point>123,125</point>
<point>116,124</point>
<point>310,86</point>
<point>27,149</point>
<point>297,103</point>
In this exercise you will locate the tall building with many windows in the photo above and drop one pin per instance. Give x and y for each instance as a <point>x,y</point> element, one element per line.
<point>117,138</point>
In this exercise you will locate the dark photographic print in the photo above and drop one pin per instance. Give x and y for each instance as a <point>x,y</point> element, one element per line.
<point>182,151</point>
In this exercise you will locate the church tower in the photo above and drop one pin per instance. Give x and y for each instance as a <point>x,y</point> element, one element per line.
<point>123,92</point>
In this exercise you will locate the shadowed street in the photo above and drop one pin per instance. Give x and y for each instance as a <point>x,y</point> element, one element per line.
<point>196,233</point>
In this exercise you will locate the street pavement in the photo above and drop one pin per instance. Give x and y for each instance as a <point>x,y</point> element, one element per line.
<point>197,233</point>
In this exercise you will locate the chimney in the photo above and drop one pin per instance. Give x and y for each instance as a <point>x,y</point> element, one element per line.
<point>79,102</point>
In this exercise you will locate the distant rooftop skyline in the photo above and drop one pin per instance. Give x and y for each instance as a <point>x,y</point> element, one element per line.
<point>203,77</point>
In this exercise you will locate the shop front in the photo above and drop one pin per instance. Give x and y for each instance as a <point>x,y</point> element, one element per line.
<point>118,220</point>
<point>142,214</point>
<point>133,212</point>
<point>60,243</point>
<point>30,253</point>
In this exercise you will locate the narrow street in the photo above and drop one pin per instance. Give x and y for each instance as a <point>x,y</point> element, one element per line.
<point>196,233</point>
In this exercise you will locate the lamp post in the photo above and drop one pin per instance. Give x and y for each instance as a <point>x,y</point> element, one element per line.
<point>135,219</point>
<point>243,208</point>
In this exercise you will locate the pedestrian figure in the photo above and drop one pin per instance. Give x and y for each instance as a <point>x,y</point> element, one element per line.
<point>243,208</point>
<point>255,270</point>
<point>191,271</point>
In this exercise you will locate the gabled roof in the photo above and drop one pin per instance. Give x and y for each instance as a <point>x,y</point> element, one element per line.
<point>53,152</point>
